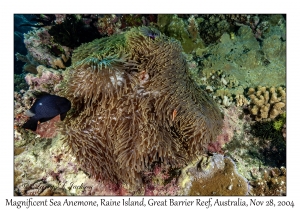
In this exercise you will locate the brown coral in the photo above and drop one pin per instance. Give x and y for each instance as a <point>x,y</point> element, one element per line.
<point>213,175</point>
<point>272,182</point>
<point>134,105</point>
<point>267,102</point>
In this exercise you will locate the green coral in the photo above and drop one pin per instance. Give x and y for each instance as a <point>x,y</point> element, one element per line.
<point>278,123</point>
<point>184,31</point>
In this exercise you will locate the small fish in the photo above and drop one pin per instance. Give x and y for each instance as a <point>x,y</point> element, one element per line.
<point>45,108</point>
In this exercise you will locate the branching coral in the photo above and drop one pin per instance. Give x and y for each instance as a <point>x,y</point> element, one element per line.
<point>267,102</point>
<point>134,103</point>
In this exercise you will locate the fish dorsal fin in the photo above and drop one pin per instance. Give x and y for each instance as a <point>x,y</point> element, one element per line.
<point>38,94</point>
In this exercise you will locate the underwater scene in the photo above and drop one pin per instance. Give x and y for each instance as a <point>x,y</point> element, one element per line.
<point>147,104</point>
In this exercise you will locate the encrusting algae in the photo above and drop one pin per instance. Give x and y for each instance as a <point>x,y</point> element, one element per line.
<point>134,103</point>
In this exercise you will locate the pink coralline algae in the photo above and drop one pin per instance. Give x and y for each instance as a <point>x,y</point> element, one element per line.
<point>47,80</point>
<point>231,124</point>
<point>94,187</point>
<point>22,102</point>
<point>40,46</point>
<point>48,129</point>
<point>159,181</point>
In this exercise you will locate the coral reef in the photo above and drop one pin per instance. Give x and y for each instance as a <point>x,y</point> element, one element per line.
<point>47,80</point>
<point>231,125</point>
<point>184,31</point>
<point>134,104</point>
<point>271,142</point>
<point>267,102</point>
<point>271,183</point>
<point>241,100</point>
<point>246,59</point>
<point>19,82</point>
<point>43,50</point>
<point>210,28</point>
<point>213,175</point>
<point>222,87</point>
<point>283,130</point>
<point>48,129</point>
<point>75,30</point>
<point>138,125</point>
<point>108,25</point>
<point>161,180</point>
<point>134,20</point>
<point>44,167</point>
<point>280,122</point>
<point>30,63</point>
<point>19,46</point>
<point>43,164</point>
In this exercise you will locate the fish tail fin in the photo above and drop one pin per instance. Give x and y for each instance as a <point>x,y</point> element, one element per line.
<point>63,116</point>
<point>31,124</point>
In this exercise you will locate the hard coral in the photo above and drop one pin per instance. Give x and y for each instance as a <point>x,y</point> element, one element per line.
<point>43,50</point>
<point>267,102</point>
<point>186,31</point>
<point>134,103</point>
<point>272,182</point>
<point>47,79</point>
<point>213,175</point>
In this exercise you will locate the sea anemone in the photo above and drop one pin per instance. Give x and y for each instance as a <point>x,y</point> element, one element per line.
<point>139,108</point>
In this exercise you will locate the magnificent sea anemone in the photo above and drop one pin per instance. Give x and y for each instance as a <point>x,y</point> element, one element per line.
<point>134,103</point>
